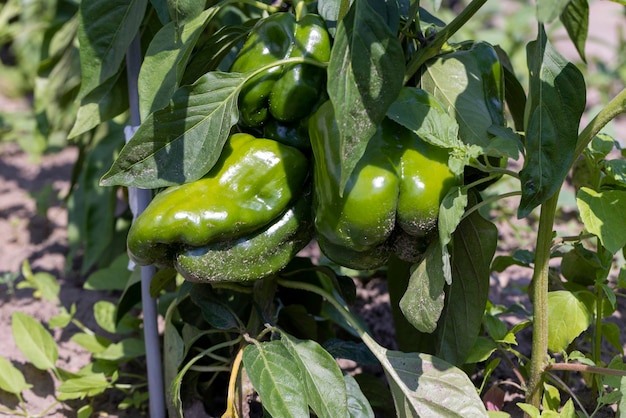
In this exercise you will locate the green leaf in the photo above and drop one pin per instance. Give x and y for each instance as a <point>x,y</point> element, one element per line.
<point>214,310</point>
<point>45,285</point>
<point>470,85</point>
<point>603,215</point>
<point>97,203</point>
<point>575,19</point>
<point>555,104</point>
<point>276,376</point>
<point>568,316</point>
<point>451,211</point>
<point>93,343</point>
<point>481,351</point>
<point>83,386</point>
<point>474,244</point>
<point>103,103</point>
<point>548,10</point>
<point>425,386</point>
<point>420,112</point>
<point>173,355</point>
<point>113,277</point>
<point>11,379</point>
<point>106,29</point>
<point>165,61</point>
<point>323,380</point>
<point>350,350</point>
<point>131,296</point>
<point>611,333</point>
<point>181,142</point>
<point>616,169</point>
<point>358,405</point>
<point>127,349</point>
<point>34,341</point>
<point>423,300</point>
<point>365,75</point>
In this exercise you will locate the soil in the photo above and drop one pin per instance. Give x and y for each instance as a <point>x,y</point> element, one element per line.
<point>39,235</point>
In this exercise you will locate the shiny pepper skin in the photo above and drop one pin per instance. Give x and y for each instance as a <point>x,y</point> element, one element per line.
<point>395,189</point>
<point>252,184</point>
<point>284,92</point>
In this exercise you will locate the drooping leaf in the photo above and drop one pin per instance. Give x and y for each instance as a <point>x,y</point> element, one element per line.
<point>423,300</point>
<point>214,310</point>
<point>34,341</point>
<point>325,386</point>
<point>473,246</point>
<point>568,316</point>
<point>555,104</point>
<point>276,376</point>
<point>575,19</point>
<point>165,61</point>
<point>173,355</point>
<point>451,211</point>
<point>420,112</point>
<point>426,386</point>
<point>181,142</point>
<point>603,215</point>
<point>11,379</point>
<point>106,29</point>
<point>365,75</point>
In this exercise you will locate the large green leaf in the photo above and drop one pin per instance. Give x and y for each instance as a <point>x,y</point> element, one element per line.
<point>423,300</point>
<point>276,376</point>
<point>106,29</point>
<point>84,386</point>
<point>603,215</point>
<point>165,61</point>
<point>575,19</point>
<point>568,316</point>
<point>420,112</point>
<point>325,386</point>
<point>181,142</point>
<point>365,75</point>
<point>11,379</point>
<point>473,246</point>
<point>425,386</point>
<point>470,84</point>
<point>555,104</point>
<point>34,341</point>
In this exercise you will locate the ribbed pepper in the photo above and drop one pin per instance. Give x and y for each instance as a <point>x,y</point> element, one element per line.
<point>253,184</point>
<point>394,191</point>
<point>288,92</point>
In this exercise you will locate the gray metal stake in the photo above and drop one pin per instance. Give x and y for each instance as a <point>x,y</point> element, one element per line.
<point>149,306</point>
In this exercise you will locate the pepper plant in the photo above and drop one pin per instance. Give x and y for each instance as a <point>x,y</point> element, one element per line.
<point>397,131</point>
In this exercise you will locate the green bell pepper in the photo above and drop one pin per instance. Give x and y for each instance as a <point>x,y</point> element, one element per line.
<point>253,256</point>
<point>395,189</point>
<point>251,185</point>
<point>285,92</point>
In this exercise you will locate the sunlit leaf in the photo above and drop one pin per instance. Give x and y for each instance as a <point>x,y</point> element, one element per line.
<point>603,215</point>
<point>34,341</point>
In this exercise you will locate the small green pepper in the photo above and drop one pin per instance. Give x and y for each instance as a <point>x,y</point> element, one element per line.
<point>398,183</point>
<point>251,185</point>
<point>287,92</point>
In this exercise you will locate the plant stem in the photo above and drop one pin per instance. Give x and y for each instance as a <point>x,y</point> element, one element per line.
<point>616,106</point>
<point>450,29</point>
<point>540,301</point>
<point>575,367</point>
